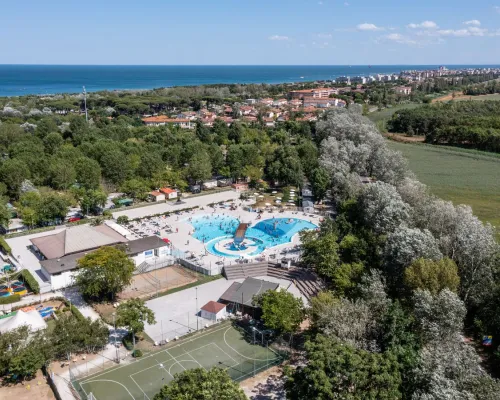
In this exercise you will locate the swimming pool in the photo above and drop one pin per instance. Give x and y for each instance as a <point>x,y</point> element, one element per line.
<point>217,232</point>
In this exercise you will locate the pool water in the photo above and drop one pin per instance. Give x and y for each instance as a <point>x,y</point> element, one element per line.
<point>212,229</point>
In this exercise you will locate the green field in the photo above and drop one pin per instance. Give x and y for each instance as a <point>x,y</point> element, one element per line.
<point>462,176</point>
<point>386,113</point>
<point>223,346</point>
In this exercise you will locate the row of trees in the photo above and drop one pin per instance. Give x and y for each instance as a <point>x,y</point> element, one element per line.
<point>408,273</point>
<point>466,123</point>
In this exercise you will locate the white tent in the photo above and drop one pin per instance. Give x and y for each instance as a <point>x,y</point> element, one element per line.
<point>33,319</point>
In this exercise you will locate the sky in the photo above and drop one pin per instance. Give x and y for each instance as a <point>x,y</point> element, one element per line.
<point>257,32</point>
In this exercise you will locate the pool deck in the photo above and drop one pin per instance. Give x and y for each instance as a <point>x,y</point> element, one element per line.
<point>183,240</point>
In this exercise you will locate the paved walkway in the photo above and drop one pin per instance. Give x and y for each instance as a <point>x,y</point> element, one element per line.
<point>200,201</point>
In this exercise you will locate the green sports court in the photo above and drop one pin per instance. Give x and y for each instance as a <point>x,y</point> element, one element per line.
<point>222,346</point>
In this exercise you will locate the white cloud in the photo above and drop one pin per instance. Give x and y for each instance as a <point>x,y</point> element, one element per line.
<point>398,38</point>
<point>324,35</point>
<point>473,22</point>
<point>424,25</point>
<point>369,27</point>
<point>471,31</point>
<point>278,37</point>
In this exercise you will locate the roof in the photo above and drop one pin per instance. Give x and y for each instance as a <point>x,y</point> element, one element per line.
<point>76,239</point>
<point>167,190</point>
<point>243,293</point>
<point>155,193</point>
<point>33,319</point>
<point>163,119</point>
<point>213,307</point>
<point>70,262</point>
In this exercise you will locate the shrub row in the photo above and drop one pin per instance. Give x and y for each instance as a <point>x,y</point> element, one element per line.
<point>4,246</point>
<point>127,341</point>
<point>75,311</point>
<point>10,299</point>
<point>167,214</point>
<point>30,281</point>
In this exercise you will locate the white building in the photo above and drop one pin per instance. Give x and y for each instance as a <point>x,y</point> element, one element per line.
<point>60,252</point>
<point>157,196</point>
<point>210,184</point>
<point>213,311</point>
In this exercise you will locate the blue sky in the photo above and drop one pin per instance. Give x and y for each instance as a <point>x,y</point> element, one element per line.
<point>250,32</point>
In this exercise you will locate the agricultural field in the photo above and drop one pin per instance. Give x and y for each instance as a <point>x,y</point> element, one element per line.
<point>462,176</point>
<point>459,96</point>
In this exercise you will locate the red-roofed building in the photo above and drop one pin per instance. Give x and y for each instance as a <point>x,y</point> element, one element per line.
<point>319,93</point>
<point>157,196</point>
<point>213,311</point>
<point>164,120</point>
<point>169,193</point>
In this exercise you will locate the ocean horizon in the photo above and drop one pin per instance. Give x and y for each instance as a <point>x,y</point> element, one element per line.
<point>31,79</point>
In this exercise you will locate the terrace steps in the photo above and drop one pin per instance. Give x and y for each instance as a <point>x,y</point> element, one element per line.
<point>308,283</point>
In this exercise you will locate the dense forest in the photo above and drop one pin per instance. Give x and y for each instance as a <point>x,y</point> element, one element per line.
<point>474,124</point>
<point>412,280</point>
<point>54,161</point>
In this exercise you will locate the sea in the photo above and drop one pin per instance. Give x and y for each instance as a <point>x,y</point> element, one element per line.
<point>19,80</point>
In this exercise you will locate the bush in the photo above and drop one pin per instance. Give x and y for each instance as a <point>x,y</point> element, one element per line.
<point>122,219</point>
<point>127,342</point>
<point>75,311</point>
<point>30,281</point>
<point>137,353</point>
<point>4,246</point>
<point>10,299</point>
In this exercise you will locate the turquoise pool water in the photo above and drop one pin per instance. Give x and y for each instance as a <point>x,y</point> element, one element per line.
<point>211,229</point>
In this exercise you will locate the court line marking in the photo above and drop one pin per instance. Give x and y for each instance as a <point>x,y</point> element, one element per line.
<point>248,358</point>
<point>133,380</point>
<point>190,355</point>
<point>175,359</point>
<point>109,380</point>
<point>158,363</point>
<point>151,355</point>
<point>227,354</point>
<point>179,362</point>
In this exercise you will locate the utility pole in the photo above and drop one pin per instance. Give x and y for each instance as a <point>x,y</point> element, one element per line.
<point>85,104</point>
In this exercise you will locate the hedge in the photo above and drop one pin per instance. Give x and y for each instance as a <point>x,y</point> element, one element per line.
<point>75,311</point>
<point>10,299</point>
<point>4,246</point>
<point>30,281</point>
<point>137,353</point>
<point>127,341</point>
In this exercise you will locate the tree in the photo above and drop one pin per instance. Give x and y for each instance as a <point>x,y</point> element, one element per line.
<point>104,272</point>
<point>335,370</point>
<point>5,215</point>
<point>13,172</point>
<point>88,172</point>
<point>281,310</point>
<point>320,182</point>
<point>200,384</point>
<point>200,167</point>
<point>52,142</point>
<point>61,174</point>
<point>432,276</point>
<point>321,252</point>
<point>51,207</point>
<point>26,362</point>
<point>132,314</point>
<point>135,188</point>
<point>11,343</point>
<point>382,207</point>
<point>92,200</point>
<point>122,220</point>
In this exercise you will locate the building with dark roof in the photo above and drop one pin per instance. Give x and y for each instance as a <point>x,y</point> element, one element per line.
<point>60,252</point>
<point>239,296</point>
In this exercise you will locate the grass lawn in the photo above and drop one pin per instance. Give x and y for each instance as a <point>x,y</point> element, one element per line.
<point>222,346</point>
<point>386,113</point>
<point>462,176</point>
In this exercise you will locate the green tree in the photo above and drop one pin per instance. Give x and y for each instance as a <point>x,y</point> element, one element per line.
<point>11,343</point>
<point>433,276</point>
<point>335,370</point>
<point>61,174</point>
<point>200,167</point>
<point>320,182</point>
<point>51,207</point>
<point>122,219</point>
<point>281,310</point>
<point>135,188</point>
<point>27,361</point>
<point>92,200</point>
<point>321,252</point>
<point>88,172</point>
<point>52,142</point>
<point>13,172</point>
<point>4,214</point>
<point>104,272</point>
<point>200,384</point>
<point>132,314</point>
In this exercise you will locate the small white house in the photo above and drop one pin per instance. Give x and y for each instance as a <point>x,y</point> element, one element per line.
<point>210,184</point>
<point>169,193</point>
<point>213,311</point>
<point>157,196</point>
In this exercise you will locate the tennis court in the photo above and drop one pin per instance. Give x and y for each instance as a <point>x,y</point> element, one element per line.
<point>222,346</point>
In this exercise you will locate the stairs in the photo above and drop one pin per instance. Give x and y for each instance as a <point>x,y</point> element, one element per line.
<point>308,283</point>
